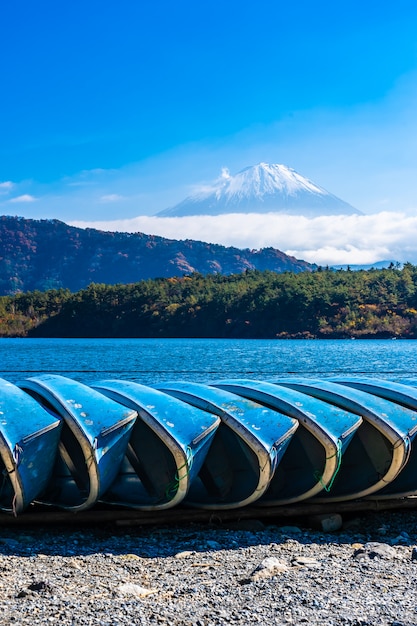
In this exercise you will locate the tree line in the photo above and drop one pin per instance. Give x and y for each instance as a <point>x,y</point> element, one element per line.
<point>256,304</point>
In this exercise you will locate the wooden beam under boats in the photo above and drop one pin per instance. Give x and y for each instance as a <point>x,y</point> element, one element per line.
<point>126,518</point>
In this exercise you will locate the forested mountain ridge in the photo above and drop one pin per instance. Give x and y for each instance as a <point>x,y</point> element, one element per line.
<point>49,254</point>
<point>319,304</point>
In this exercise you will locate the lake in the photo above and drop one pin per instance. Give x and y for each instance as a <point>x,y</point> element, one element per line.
<point>150,361</point>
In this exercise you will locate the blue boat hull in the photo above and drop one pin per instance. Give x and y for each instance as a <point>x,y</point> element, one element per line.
<point>167,448</point>
<point>380,447</point>
<point>314,455</point>
<point>95,434</point>
<point>406,415</point>
<point>29,438</point>
<point>247,448</point>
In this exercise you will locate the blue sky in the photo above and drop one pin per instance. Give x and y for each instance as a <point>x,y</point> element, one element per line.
<point>112,111</point>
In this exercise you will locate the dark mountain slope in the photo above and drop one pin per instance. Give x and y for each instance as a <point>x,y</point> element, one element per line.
<point>49,254</point>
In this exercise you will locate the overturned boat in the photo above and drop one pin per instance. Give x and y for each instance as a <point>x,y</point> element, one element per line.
<point>29,438</point>
<point>167,447</point>
<point>381,446</point>
<point>405,416</point>
<point>248,446</point>
<point>219,446</point>
<point>314,455</point>
<point>94,437</point>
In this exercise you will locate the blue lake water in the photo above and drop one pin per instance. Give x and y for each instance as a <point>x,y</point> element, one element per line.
<point>150,361</point>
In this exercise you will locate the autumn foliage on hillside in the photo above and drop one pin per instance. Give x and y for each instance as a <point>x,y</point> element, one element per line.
<point>48,254</point>
<point>255,304</point>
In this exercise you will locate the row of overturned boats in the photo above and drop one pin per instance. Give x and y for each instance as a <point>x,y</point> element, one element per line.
<point>221,445</point>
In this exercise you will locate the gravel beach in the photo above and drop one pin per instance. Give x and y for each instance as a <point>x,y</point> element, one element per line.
<point>246,572</point>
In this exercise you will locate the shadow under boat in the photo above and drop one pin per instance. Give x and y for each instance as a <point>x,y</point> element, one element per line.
<point>380,448</point>
<point>95,433</point>
<point>167,447</point>
<point>314,455</point>
<point>405,415</point>
<point>248,446</point>
<point>29,438</point>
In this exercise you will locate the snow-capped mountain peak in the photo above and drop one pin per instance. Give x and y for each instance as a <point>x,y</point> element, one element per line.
<point>264,179</point>
<point>261,188</point>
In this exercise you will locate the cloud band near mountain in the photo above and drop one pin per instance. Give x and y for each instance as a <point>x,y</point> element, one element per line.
<point>325,240</point>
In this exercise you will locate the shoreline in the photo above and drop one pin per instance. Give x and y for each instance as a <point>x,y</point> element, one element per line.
<point>238,572</point>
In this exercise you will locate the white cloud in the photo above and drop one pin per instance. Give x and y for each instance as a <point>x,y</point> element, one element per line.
<point>225,174</point>
<point>324,240</point>
<point>111,197</point>
<point>26,197</point>
<point>6,186</point>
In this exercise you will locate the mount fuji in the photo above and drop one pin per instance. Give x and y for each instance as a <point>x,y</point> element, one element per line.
<point>262,188</point>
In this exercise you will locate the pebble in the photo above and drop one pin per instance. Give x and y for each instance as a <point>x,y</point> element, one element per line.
<point>213,575</point>
<point>306,561</point>
<point>267,568</point>
<point>290,530</point>
<point>374,549</point>
<point>184,554</point>
<point>131,589</point>
<point>326,523</point>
